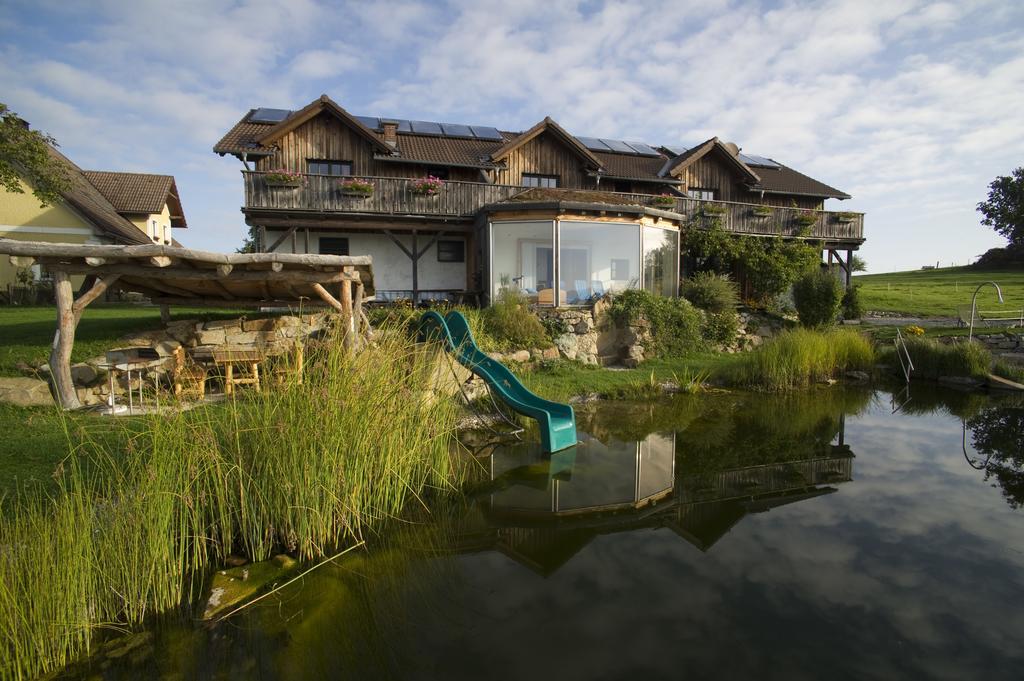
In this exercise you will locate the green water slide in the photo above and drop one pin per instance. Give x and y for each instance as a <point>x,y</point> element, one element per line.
<point>557,421</point>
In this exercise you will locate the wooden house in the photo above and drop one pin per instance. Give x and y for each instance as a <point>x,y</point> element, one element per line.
<point>450,210</point>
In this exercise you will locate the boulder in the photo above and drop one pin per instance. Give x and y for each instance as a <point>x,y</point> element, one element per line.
<point>859,376</point>
<point>242,338</point>
<point>567,345</point>
<point>25,392</point>
<point>223,324</point>
<point>211,337</point>
<point>83,374</point>
<point>550,353</point>
<point>519,356</point>
<point>182,331</point>
<point>166,348</point>
<point>259,324</point>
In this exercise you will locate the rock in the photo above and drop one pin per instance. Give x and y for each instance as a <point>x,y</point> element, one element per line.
<point>549,353</point>
<point>635,352</point>
<point>859,376</point>
<point>582,326</point>
<point>259,324</point>
<point>166,348</point>
<point>226,325</point>
<point>960,382</point>
<point>25,392</point>
<point>567,344</point>
<point>520,356</point>
<point>233,586</point>
<point>83,374</point>
<point>182,331</point>
<point>243,338</point>
<point>214,337</point>
<point>765,331</point>
<point>496,356</point>
<point>630,363</point>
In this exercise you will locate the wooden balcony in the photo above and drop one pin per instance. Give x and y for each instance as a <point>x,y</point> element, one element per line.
<point>395,197</point>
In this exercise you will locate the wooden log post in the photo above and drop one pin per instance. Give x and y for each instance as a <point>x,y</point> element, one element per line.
<point>346,313</point>
<point>69,313</point>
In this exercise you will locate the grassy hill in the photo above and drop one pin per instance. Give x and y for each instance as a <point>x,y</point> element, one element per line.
<point>937,293</point>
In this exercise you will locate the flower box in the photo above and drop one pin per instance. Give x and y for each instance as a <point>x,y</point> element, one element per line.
<point>663,201</point>
<point>845,218</point>
<point>710,210</point>
<point>356,188</point>
<point>428,186</point>
<point>761,212</point>
<point>283,178</point>
<point>805,219</point>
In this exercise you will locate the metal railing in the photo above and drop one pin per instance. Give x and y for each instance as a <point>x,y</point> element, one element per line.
<point>398,196</point>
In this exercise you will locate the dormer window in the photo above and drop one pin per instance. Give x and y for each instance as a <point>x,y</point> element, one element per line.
<point>328,167</point>
<point>542,181</point>
<point>702,194</point>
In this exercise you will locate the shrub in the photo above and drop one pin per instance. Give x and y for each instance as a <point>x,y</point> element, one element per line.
<point>913,330</point>
<point>933,359</point>
<point>720,327</point>
<point>511,323</point>
<point>799,357</point>
<point>711,291</point>
<point>817,296</point>
<point>674,323</point>
<point>853,308</point>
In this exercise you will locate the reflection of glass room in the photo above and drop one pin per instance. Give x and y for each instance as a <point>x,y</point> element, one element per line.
<point>587,258</point>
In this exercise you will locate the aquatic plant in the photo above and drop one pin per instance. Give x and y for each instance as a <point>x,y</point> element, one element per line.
<point>799,357</point>
<point>304,467</point>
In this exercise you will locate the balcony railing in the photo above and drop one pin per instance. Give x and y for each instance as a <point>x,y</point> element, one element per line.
<point>396,196</point>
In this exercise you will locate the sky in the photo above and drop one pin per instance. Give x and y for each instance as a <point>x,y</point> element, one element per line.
<point>911,107</point>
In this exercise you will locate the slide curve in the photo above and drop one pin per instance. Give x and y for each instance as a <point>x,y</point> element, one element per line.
<point>557,421</point>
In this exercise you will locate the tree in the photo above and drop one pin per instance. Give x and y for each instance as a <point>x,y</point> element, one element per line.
<point>857,264</point>
<point>1004,209</point>
<point>25,155</point>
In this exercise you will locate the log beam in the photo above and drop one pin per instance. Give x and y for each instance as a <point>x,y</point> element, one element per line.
<point>299,276</point>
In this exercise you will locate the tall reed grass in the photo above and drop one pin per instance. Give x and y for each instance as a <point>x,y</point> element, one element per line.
<point>933,359</point>
<point>799,357</point>
<point>304,467</point>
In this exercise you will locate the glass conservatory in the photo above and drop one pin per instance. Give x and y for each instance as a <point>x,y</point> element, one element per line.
<point>586,259</point>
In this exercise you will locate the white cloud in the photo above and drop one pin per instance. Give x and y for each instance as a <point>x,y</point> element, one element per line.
<point>909,105</point>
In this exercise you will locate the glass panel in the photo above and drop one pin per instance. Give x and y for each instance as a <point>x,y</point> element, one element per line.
<point>661,261</point>
<point>597,257</point>
<point>522,257</point>
<point>657,455</point>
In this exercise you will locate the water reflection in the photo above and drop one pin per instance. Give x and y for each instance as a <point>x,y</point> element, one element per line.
<point>647,552</point>
<point>545,508</point>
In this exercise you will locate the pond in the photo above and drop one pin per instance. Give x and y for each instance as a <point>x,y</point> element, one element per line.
<point>811,535</point>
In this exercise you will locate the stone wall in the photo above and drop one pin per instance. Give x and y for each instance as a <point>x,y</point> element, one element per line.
<point>273,336</point>
<point>1008,346</point>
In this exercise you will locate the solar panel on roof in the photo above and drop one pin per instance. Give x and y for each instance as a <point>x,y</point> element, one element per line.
<point>265,115</point>
<point>643,149</point>
<point>594,144</point>
<point>456,130</point>
<point>761,161</point>
<point>403,125</point>
<point>674,151</point>
<point>485,132</point>
<point>426,128</point>
<point>372,122</point>
<point>616,145</point>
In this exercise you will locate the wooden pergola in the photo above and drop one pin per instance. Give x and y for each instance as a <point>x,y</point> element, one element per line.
<point>181,276</point>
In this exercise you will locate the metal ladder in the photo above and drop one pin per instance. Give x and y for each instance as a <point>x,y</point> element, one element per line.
<point>907,366</point>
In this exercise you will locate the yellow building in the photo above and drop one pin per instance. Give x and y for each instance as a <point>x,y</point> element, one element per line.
<point>99,208</point>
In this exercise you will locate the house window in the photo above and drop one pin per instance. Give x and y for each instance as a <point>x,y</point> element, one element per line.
<point>327,167</point>
<point>620,269</point>
<point>544,181</point>
<point>623,186</point>
<point>702,194</point>
<point>451,251</point>
<point>332,245</point>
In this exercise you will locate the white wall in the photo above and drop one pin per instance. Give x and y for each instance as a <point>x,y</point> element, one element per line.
<point>392,269</point>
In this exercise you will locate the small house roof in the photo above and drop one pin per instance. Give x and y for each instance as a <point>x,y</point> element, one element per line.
<point>548,125</point>
<point>139,193</point>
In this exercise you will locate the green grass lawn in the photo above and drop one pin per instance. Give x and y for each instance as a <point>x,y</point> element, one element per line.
<point>937,293</point>
<point>26,333</point>
<point>561,380</point>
